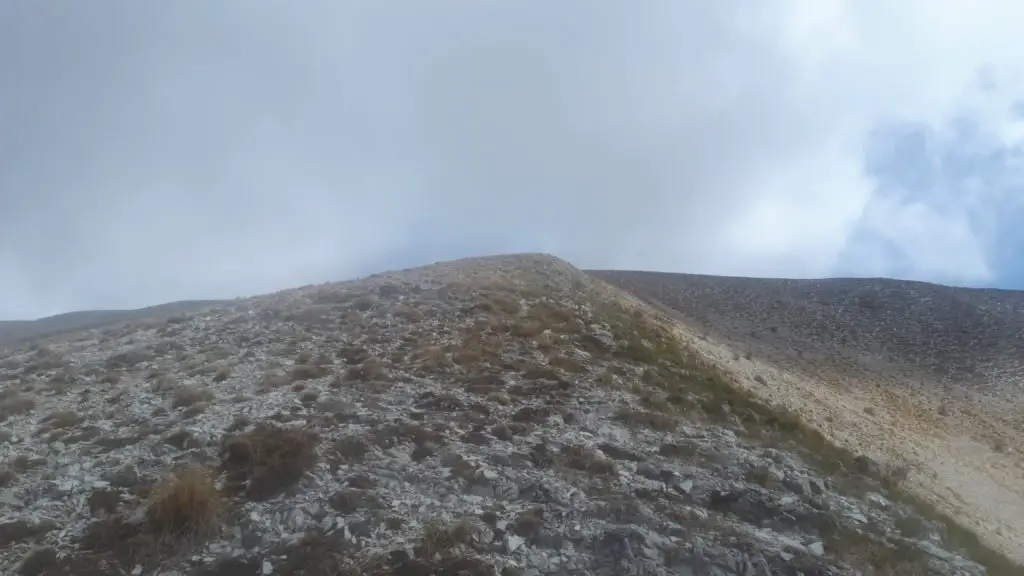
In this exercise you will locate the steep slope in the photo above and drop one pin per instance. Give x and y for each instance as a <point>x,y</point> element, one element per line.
<point>971,337</point>
<point>502,415</point>
<point>927,374</point>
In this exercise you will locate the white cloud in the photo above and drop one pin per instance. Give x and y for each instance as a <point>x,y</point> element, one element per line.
<point>241,147</point>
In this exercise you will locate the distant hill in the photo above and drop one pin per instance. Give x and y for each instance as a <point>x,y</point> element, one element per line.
<point>949,334</point>
<point>15,331</point>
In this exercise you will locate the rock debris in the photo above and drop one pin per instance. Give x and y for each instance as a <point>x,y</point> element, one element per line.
<point>494,416</point>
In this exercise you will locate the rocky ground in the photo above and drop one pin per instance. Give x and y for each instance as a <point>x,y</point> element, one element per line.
<point>14,331</point>
<point>969,337</point>
<point>505,415</point>
<point>925,373</point>
<point>942,343</point>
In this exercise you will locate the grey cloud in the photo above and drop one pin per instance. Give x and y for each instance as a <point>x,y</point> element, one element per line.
<point>156,151</point>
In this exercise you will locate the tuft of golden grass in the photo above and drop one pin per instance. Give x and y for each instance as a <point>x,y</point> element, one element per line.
<point>185,505</point>
<point>268,459</point>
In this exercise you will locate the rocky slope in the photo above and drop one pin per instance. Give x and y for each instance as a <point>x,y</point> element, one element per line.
<point>967,336</point>
<point>14,331</point>
<point>925,373</point>
<point>503,415</point>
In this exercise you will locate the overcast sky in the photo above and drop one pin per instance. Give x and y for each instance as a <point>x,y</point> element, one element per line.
<point>154,151</point>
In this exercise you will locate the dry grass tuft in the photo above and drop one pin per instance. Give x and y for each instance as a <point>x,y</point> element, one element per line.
<point>645,419</point>
<point>884,558</point>
<point>353,354</point>
<point>895,474</point>
<point>407,313</point>
<point>186,396</point>
<point>567,364</point>
<point>103,500</point>
<point>497,302</point>
<point>526,329</point>
<point>476,348</point>
<point>308,372</point>
<point>432,359</point>
<point>267,460</point>
<point>61,419</point>
<point>586,460</point>
<point>439,540</point>
<point>370,370</point>
<point>349,449</point>
<point>186,505</point>
<point>14,405</point>
<point>274,380</point>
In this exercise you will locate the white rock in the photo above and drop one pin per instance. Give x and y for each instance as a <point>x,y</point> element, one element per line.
<point>876,499</point>
<point>817,549</point>
<point>513,542</point>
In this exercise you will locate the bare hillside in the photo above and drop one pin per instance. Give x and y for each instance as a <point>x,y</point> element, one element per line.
<point>971,337</point>
<point>507,415</point>
<point>927,373</point>
<point>14,331</point>
<point>945,343</point>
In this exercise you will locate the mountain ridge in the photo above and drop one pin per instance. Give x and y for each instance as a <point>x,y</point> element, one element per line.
<point>508,414</point>
<point>14,331</point>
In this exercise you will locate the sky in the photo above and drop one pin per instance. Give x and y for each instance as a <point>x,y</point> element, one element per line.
<point>158,151</point>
